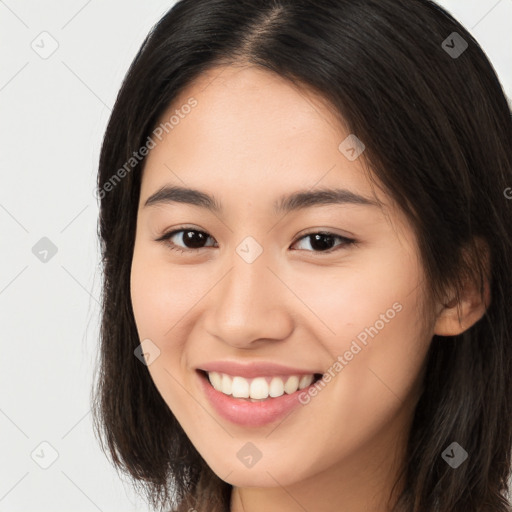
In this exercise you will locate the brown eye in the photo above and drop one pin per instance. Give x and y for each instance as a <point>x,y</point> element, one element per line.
<point>192,239</point>
<point>324,241</point>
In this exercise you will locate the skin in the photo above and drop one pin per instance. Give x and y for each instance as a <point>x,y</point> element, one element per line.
<point>251,138</point>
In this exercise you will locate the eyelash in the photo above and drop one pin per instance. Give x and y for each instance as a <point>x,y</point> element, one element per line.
<point>166,236</point>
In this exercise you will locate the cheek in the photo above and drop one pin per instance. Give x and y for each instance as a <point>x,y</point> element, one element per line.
<point>378,338</point>
<point>378,380</point>
<point>367,288</point>
<point>371,388</point>
<point>383,345</point>
<point>161,294</point>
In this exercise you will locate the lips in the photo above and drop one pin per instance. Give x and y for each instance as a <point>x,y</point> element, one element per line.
<point>249,412</point>
<point>246,413</point>
<point>255,369</point>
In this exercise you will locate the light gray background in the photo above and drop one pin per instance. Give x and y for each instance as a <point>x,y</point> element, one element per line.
<point>54,112</point>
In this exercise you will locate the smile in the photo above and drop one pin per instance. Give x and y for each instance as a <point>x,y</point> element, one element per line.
<point>246,410</point>
<point>259,388</point>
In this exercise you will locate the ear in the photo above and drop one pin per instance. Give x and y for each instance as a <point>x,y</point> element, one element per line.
<point>456,316</point>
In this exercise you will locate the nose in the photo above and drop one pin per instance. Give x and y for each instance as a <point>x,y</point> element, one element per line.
<point>250,305</point>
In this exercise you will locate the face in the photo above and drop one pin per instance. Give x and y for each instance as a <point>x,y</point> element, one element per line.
<point>323,286</point>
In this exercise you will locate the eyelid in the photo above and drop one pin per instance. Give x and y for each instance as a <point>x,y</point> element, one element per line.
<point>165,238</point>
<point>346,241</point>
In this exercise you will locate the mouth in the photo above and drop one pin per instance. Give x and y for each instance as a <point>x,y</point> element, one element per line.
<point>248,411</point>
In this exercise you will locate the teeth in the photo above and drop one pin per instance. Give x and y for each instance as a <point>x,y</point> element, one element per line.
<point>240,388</point>
<point>305,381</point>
<point>226,384</point>
<point>259,388</point>
<point>292,384</point>
<point>276,387</point>
<point>216,380</point>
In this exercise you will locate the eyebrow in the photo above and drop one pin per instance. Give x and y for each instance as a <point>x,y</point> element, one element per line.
<point>286,203</point>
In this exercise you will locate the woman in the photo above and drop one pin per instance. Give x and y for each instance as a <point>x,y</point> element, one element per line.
<point>306,241</point>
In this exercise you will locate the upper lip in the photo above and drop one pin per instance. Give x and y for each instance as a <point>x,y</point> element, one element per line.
<point>253,369</point>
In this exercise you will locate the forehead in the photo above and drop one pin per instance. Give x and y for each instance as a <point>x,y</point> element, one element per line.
<point>252,132</point>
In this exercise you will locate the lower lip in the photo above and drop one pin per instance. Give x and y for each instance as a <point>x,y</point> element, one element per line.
<point>250,414</point>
